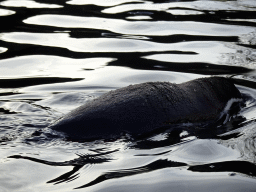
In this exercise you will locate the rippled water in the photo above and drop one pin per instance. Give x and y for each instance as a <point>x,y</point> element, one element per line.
<point>57,55</point>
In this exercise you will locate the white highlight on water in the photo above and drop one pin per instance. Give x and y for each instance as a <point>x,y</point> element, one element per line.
<point>227,108</point>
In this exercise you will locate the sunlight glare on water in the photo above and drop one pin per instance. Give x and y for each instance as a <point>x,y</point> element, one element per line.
<point>27,4</point>
<point>58,55</point>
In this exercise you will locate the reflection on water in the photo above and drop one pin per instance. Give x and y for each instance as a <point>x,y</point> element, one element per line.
<point>42,65</point>
<point>27,4</point>
<point>149,28</point>
<point>5,12</point>
<point>58,55</point>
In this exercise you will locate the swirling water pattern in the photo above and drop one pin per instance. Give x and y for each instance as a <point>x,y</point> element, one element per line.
<point>57,55</point>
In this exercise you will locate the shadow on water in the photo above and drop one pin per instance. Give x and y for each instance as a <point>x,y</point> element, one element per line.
<point>26,82</point>
<point>76,163</point>
<point>243,167</point>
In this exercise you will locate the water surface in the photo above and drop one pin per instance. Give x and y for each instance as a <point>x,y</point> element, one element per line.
<point>58,55</point>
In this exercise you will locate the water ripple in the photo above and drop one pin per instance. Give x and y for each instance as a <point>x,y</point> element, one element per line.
<point>58,55</point>
<point>28,4</point>
<point>149,28</point>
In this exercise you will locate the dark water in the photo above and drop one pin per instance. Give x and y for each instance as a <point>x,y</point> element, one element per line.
<point>57,55</point>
